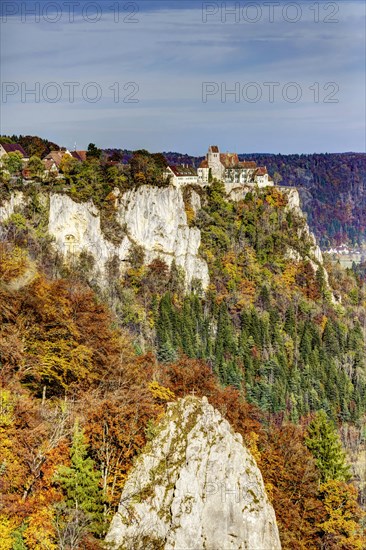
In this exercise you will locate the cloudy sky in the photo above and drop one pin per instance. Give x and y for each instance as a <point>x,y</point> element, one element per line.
<point>178,75</point>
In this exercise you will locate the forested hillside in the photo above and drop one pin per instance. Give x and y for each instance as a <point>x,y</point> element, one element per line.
<point>86,371</point>
<point>333,191</point>
<point>332,188</point>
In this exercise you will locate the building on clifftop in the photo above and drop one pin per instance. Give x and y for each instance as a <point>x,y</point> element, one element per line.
<point>181,175</point>
<point>229,169</point>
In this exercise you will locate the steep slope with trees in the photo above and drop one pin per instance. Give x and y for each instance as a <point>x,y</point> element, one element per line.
<point>86,372</point>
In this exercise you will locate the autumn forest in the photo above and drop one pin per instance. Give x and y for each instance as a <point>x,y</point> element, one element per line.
<point>276,344</point>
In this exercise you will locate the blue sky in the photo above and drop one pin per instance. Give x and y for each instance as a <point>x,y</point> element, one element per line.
<point>173,64</point>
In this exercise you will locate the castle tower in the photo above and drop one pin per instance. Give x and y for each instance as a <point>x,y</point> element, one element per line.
<point>214,162</point>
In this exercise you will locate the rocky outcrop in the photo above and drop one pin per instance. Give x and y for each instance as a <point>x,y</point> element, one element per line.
<point>194,487</point>
<point>151,217</point>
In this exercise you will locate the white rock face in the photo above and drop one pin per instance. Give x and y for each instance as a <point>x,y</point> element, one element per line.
<point>76,227</point>
<point>8,207</point>
<point>153,218</point>
<point>295,205</point>
<point>293,198</point>
<point>194,487</point>
<point>195,202</point>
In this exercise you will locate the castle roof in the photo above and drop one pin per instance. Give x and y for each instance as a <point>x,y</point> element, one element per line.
<point>181,171</point>
<point>229,160</point>
<point>261,171</point>
<point>204,164</point>
<point>248,164</point>
<point>214,149</point>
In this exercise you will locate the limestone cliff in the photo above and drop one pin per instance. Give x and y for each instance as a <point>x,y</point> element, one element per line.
<point>194,487</point>
<point>151,217</point>
<point>8,207</point>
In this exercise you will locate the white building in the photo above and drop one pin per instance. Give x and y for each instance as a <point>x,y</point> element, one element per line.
<point>181,175</point>
<point>228,168</point>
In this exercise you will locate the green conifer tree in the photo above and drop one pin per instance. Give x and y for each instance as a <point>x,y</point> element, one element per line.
<point>290,321</point>
<point>165,334</point>
<point>330,340</point>
<point>324,443</point>
<point>83,503</point>
<point>225,343</point>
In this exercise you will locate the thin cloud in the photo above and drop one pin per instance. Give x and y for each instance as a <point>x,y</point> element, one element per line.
<point>169,54</point>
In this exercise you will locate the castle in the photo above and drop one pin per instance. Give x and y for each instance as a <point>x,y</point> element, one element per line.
<point>225,167</point>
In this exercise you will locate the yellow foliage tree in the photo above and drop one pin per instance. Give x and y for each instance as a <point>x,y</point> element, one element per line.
<point>13,262</point>
<point>289,275</point>
<point>276,198</point>
<point>68,164</point>
<point>161,392</point>
<point>189,213</point>
<point>40,532</point>
<point>340,526</point>
<point>11,471</point>
<point>246,293</point>
<point>7,527</point>
<point>61,363</point>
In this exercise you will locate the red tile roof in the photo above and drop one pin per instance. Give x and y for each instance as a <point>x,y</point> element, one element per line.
<point>13,147</point>
<point>49,163</point>
<point>214,149</point>
<point>262,171</point>
<point>79,155</point>
<point>56,156</point>
<point>229,160</point>
<point>26,174</point>
<point>248,164</point>
<point>204,164</point>
<point>182,171</point>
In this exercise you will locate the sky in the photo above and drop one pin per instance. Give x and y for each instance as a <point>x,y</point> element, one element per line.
<point>179,75</point>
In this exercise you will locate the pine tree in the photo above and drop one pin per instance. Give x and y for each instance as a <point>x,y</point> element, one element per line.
<point>275,331</point>
<point>166,353</point>
<point>355,337</point>
<point>255,328</point>
<point>306,343</point>
<point>82,507</point>
<point>323,442</point>
<point>264,298</point>
<point>290,322</point>
<point>330,340</point>
<point>225,340</point>
<point>320,280</point>
<point>165,333</point>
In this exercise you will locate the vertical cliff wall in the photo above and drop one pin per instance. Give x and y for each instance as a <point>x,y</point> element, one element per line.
<point>151,217</point>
